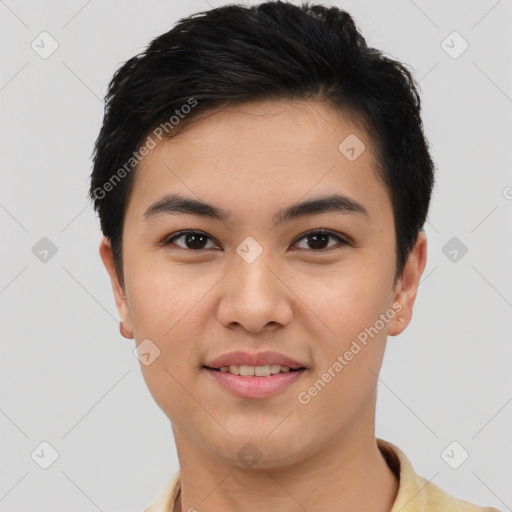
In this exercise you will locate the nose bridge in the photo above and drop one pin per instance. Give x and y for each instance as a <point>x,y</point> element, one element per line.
<point>252,294</point>
<point>253,282</point>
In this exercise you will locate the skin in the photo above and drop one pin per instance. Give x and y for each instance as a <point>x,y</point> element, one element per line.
<point>253,160</point>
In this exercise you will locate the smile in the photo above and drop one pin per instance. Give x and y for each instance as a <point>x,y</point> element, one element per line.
<point>258,371</point>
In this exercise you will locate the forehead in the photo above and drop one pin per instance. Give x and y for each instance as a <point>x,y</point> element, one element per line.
<point>272,149</point>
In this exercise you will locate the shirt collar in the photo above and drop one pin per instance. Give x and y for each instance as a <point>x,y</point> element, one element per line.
<point>415,493</point>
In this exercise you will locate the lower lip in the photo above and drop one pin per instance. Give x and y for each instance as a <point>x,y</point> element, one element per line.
<point>255,387</point>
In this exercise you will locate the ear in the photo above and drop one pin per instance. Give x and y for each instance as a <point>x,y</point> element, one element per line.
<point>121,302</point>
<point>407,284</point>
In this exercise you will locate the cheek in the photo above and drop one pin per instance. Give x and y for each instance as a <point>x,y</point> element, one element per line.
<point>350,304</point>
<point>163,307</point>
<point>349,353</point>
<point>164,294</point>
<point>348,300</point>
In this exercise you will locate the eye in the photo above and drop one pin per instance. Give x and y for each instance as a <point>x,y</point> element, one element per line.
<point>197,241</point>
<point>318,239</point>
<point>193,240</point>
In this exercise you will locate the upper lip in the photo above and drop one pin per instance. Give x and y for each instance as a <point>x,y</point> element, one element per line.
<point>239,358</point>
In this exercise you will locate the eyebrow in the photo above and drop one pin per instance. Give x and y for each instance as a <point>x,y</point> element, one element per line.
<point>178,204</point>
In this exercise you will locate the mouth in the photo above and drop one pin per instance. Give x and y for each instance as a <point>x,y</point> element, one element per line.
<point>255,371</point>
<point>254,375</point>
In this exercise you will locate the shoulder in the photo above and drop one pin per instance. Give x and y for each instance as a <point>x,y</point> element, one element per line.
<point>417,494</point>
<point>165,500</point>
<point>437,499</point>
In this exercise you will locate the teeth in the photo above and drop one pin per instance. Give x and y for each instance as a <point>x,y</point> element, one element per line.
<point>259,371</point>
<point>262,371</point>
<point>274,368</point>
<point>245,370</point>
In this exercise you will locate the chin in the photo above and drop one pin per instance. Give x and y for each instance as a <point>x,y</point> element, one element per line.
<point>261,452</point>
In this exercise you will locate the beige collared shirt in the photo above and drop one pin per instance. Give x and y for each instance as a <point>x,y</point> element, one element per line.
<point>415,493</point>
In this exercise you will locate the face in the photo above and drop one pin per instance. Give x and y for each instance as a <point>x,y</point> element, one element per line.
<point>248,274</point>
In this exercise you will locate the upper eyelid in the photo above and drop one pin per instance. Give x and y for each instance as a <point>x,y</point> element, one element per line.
<point>179,234</point>
<point>323,231</point>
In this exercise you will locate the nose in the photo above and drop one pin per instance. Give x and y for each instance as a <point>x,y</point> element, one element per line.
<point>254,297</point>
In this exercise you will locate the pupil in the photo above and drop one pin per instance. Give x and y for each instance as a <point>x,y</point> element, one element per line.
<point>192,238</point>
<point>315,237</point>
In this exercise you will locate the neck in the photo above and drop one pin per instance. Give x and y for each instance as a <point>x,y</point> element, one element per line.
<point>349,475</point>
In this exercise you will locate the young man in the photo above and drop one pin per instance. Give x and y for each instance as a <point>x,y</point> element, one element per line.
<point>262,180</point>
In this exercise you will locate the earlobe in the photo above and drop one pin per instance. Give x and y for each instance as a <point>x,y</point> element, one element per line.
<point>407,285</point>
<point>397,325</point>
<point>124,333</point>
<point>107,257</point>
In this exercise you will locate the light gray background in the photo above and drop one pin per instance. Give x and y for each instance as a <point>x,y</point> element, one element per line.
<point>69,378</point>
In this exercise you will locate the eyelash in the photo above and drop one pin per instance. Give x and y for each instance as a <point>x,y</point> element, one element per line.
<point>170,240</point>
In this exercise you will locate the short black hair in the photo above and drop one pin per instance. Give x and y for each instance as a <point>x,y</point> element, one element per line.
<point>274,50</point>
